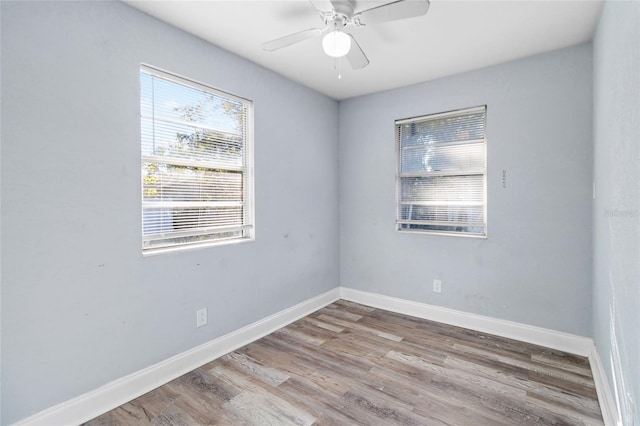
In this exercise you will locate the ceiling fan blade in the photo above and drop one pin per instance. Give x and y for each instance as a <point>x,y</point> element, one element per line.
<point>338,5</point>
<point>356,57</point>
<point>290,39</point>
<point>400,9</point>
<point>322,6</point>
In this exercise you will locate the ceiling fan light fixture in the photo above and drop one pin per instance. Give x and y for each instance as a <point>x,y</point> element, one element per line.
<point>336,44</point>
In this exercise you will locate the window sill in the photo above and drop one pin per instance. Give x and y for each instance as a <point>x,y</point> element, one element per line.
<point>445,234</point>
<point>191,247</point>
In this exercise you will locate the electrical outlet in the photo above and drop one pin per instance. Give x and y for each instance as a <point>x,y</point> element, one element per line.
<point>201,317</point>
<point>437,286</point>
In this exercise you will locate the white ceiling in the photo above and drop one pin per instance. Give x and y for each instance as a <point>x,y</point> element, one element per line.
<point>454,37</point>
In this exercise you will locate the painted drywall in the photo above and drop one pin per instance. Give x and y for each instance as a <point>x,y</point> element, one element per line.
<point>80,305</point>
<point>0,241</point>
<point>616,209</point>
<point>535,265</point>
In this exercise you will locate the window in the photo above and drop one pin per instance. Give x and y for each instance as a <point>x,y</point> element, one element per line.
<point>441,179</point>
<point>196,145</point>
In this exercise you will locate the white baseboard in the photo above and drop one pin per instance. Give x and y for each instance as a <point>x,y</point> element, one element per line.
<point>565,342</point>
<point>113,394</point>
<point>606,399</point>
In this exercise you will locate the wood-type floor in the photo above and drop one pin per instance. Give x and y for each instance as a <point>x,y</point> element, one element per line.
<point>351,364</point>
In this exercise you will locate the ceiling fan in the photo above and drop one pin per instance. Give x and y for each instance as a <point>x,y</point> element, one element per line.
<point>339,14</point>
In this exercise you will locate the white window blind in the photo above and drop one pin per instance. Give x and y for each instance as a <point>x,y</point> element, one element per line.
<point>441,180</point>
<point>196,147</point>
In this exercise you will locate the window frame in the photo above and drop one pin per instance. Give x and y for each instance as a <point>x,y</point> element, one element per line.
<point>398,151</point>
<point>248,182</point>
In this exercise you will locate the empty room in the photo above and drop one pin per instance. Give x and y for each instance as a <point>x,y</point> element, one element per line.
<point>324,212</point>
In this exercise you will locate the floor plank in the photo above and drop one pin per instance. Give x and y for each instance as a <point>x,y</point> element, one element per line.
<point>349,364</point>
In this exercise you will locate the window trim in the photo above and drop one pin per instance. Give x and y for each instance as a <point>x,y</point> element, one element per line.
<point>398,152</point>
<point>248,175</point>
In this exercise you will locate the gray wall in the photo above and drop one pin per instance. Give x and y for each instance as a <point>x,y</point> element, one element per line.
<point>616,210</point>
<point>80,306</point>
<point>535,266</point>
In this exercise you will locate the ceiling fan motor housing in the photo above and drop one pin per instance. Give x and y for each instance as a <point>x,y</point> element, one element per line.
<point>340,16</point>
<point>336,22</point>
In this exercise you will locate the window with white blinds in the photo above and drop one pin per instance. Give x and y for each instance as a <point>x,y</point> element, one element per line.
<point>196,146</point>
<point>441,179</point>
